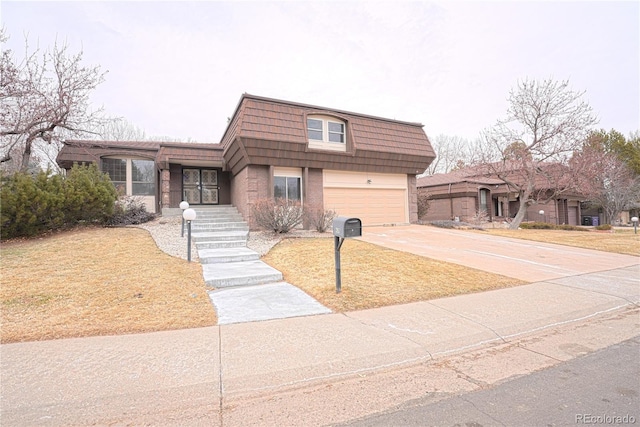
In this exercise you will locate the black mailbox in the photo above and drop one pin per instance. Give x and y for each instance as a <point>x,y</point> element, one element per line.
<point>347,227</point>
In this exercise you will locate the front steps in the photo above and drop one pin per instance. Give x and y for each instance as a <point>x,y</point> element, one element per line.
<point>220,236</point>
<point>247,289</point>
<point>222,255</point>
<point>241,273</point>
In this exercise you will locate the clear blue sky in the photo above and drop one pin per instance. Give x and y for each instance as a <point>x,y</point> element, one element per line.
<point>179,68</point>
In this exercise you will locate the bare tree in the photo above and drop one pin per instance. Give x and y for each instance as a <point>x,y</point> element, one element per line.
<point>605,178</point>
<point>530,149</point>
<point>44,98</point>
<point>118,129</point>
<point>452,152</point>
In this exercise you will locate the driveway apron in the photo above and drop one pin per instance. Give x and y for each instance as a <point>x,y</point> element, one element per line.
<point>522,259</point>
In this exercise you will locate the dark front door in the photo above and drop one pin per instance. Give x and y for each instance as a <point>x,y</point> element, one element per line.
<point>200,186</point>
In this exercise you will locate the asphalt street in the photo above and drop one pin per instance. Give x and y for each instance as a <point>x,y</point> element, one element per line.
<point>602,388</point>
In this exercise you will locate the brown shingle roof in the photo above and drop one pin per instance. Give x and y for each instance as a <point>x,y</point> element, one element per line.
<point>455,177</point>
<point>205,153</point>
<point>162,152</point>
<point>266,131</point>
<point>272,119</point>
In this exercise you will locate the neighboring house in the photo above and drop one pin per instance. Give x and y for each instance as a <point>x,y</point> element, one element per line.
<point>462,194</point>
<point>355,164</point>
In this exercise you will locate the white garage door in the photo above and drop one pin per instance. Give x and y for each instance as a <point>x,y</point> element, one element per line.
<point>375,198</point>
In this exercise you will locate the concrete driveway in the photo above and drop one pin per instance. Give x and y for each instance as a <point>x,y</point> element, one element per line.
<point>521,259</point>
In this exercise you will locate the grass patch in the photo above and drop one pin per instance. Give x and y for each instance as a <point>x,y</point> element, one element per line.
<point>373,276</point>
<point>621,242</point>
<point>97,282</point>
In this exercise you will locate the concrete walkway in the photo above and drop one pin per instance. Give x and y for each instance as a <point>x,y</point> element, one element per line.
<point>247,289</point>
<point>323,369</point>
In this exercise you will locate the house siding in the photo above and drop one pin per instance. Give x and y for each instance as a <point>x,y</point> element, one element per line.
<point>248,186</point>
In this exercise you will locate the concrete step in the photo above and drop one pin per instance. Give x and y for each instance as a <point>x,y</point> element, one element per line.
<point>243,273</point>
<point>219,226</point>
<point>222,244</point>
<point>218,236</point>
<point>217,211</point>
<point>224,219</point>
<point>223,255</point>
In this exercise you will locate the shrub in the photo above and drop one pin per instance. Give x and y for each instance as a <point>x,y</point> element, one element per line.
<point>603,227</point>
<point>537,226</point>
<point>547,226</point>
<point>89,194</point>
<point>454,224</point>
<point>480,217</point>
<point>31,204</point>
<point>129,210</point>
<point>277,215</point>
<point>423,205</point>
<point>319,218</point>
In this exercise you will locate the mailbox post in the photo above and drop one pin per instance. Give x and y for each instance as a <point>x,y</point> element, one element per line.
<point>343,227</point>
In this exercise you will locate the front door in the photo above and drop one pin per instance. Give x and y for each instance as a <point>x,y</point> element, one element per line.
<point>200,186</point>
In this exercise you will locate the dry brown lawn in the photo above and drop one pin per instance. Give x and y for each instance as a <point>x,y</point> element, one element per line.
<point>373,276</point>
<point>621,241</point>
<point>97,282</point>
<point>113,281</point>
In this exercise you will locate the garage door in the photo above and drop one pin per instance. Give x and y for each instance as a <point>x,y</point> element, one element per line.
<point>376,199</point>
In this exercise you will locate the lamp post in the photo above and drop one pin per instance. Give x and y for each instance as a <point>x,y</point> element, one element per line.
<point>189,215</point>
<point>183,205</point>
<point>635,224</point>
<point>541,212</point>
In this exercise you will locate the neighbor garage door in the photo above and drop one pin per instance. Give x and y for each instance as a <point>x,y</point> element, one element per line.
<point>375,198</point>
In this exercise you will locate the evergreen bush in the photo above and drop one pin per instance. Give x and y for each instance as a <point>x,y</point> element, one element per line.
<point>89,195</point>
<point>547,226</point>
<point>34,204</point>
<point>604,227</point>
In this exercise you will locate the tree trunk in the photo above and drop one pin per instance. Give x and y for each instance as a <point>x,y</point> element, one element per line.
<point>522,210</point>
<point>26,157</point>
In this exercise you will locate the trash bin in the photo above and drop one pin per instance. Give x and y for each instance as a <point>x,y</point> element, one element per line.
<point>586,220</point>
<point>595,220</point>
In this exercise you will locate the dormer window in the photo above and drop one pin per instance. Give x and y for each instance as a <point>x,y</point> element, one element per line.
<point>326,133</point>
<point>314,127</point>
<point>336,132</point>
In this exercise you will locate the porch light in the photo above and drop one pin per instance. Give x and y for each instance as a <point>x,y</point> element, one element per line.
<point>183,205</point>
<point>634,220</point>
<point>189,215</point>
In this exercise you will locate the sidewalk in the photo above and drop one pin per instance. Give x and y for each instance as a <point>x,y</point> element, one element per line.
<point>318,369</point>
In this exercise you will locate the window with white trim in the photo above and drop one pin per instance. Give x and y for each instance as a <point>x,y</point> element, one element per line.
<point>326,133</point>
<point>287,187</point>
<point>287,184</point>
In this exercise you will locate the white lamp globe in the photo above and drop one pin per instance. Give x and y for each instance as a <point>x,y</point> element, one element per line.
<point>634,219</point>
<point>184,205</point>
<point>541,212</point>
<point>189,214</point>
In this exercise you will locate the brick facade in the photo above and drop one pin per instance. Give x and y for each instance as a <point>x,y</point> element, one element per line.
<point>413,199</point>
